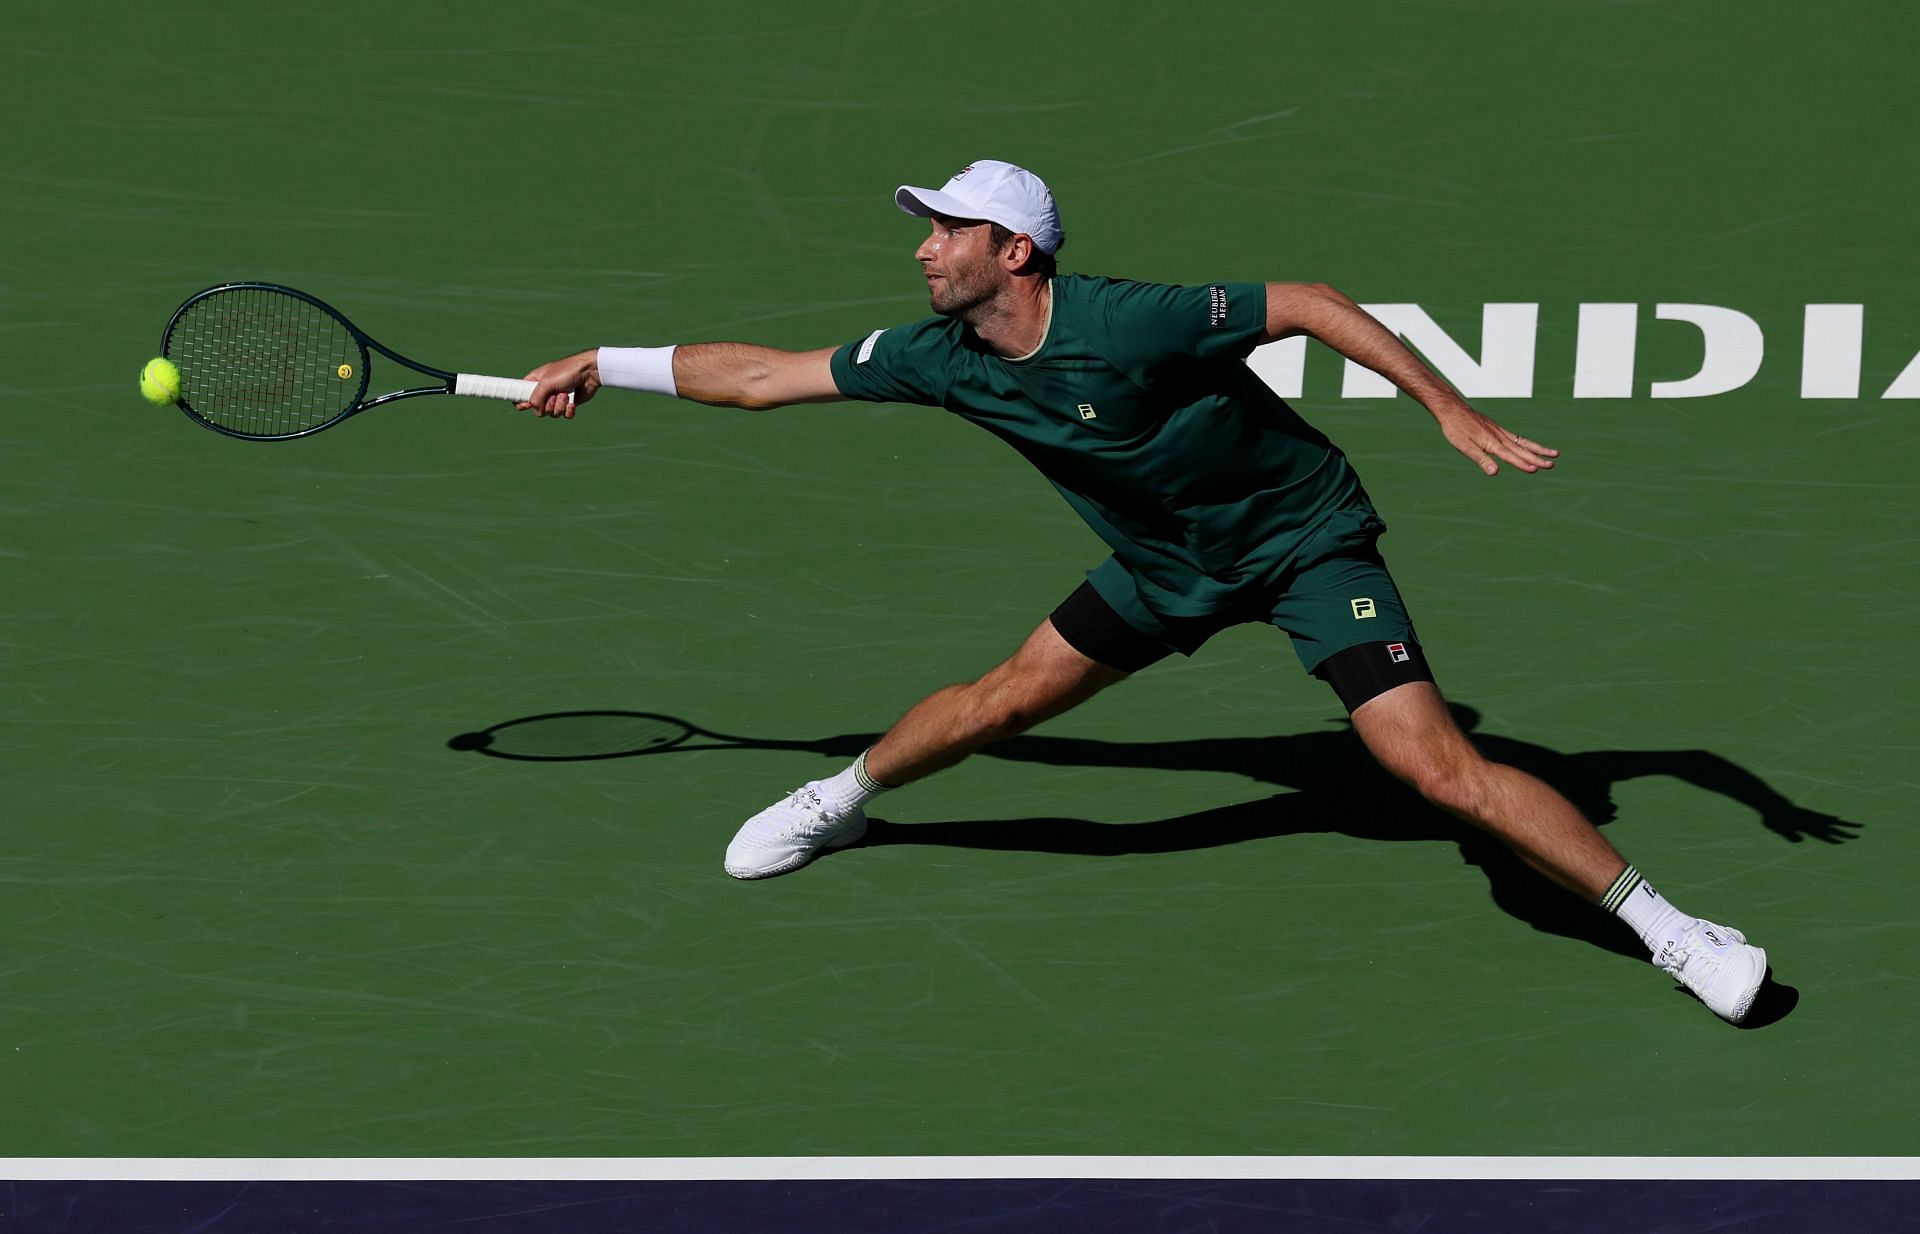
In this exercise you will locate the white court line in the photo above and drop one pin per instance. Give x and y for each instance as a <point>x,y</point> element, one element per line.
<point>720,1169</point>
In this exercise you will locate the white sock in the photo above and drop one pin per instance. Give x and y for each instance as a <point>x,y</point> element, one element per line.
<point>851,789</point>
<point>1633,900</point>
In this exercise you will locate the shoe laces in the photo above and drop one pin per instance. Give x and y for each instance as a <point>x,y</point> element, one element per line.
<point>810,814</point>
<point>1694,946</point>
<point>1674,956</point>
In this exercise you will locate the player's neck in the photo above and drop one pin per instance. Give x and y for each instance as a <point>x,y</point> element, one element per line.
<point>1014,323</point>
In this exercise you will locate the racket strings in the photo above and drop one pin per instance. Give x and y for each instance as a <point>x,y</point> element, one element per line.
<point>264,363</point>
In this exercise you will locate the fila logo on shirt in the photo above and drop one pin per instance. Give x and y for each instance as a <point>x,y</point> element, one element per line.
<point>1086,411</point>
<point>1397,653</point>
<point>1363,609</point>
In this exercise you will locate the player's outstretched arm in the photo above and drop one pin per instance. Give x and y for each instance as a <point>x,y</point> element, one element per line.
<point>1318,310</point>
<point>720,374</point>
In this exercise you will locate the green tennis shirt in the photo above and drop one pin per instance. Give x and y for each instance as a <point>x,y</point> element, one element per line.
<point>1140,409</point>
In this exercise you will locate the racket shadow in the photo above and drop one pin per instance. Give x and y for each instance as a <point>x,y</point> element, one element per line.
<point>591,736</point>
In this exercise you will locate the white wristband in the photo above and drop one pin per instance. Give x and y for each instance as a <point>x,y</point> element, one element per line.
<point>639,368</point>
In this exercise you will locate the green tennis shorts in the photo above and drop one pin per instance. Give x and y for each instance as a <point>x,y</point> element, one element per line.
<point>1339,601</point>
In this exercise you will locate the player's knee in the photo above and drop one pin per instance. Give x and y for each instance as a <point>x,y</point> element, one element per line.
<point>1451,780</point>
<point>1006,708</point>
<point>1456,790</point>
<point>999,716</point>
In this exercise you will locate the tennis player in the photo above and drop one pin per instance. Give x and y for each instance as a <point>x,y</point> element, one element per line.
<point>1222,506</point>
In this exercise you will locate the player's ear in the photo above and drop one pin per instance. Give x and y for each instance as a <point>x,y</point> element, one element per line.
<point>1018,253</point>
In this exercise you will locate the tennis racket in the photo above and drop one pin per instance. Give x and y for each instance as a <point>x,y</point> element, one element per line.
<point>268,363</point>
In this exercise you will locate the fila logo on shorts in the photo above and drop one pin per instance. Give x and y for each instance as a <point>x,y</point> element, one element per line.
<point>1086,411</point>
<point>1363,609</point>
<point>1397,652</point>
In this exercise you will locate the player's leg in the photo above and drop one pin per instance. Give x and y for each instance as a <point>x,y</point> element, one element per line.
<point>1351,627</point>
<point>1336,611</point>
<point>1410,731</point>
<point>1082,648</point>
<point>1099,635</point>
<point>1046,677</point>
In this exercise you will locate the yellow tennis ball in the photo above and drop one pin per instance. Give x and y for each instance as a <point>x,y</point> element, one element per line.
<point>160,381</point>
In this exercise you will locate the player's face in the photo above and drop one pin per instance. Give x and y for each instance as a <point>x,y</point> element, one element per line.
<point>960,265</point>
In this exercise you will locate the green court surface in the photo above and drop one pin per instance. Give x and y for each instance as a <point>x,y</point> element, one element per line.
<point>256,905</point>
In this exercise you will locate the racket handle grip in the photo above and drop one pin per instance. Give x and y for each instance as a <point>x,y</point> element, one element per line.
<point>512,389</point>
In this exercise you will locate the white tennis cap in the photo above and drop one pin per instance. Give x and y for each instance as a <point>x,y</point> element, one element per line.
<point>998,192</point>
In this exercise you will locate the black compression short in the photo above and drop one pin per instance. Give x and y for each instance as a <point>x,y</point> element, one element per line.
<point>1093,629</point>
<point>1362,673</point>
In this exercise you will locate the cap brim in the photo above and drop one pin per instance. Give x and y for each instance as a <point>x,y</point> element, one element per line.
<point>925,203</point>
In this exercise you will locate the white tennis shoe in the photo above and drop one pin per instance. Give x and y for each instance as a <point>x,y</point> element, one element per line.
<point>790,833</point>
<point>1718,964</point>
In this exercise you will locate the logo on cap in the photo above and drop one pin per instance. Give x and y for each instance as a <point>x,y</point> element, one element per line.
<point>961,174</point>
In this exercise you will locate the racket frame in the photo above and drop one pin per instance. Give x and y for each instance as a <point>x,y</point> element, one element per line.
<point>367,344</point>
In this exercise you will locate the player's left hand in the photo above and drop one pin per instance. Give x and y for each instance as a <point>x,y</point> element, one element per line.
<point>1485,442</point>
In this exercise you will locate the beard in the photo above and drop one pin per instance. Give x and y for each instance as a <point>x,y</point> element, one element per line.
<point>961,291</point>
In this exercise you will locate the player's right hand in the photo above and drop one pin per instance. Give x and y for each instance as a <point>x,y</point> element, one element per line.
<point>563,384</point>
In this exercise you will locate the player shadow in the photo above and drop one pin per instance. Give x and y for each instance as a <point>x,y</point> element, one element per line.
<point>1332,785</point>
<point>1336,787</point>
